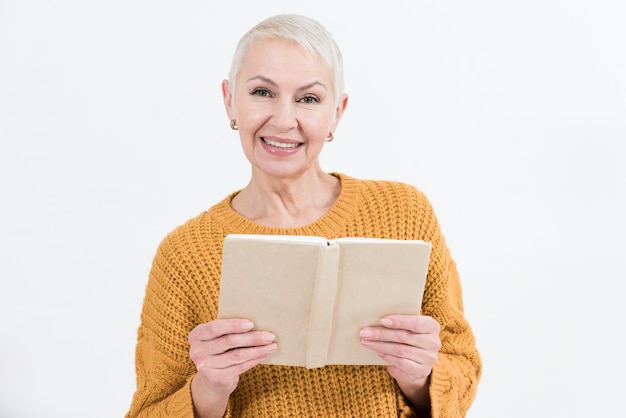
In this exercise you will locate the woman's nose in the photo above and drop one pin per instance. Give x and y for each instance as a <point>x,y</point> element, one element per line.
<point>284,115</point>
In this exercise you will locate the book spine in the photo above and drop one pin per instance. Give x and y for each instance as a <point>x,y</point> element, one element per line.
<point>323,306</point>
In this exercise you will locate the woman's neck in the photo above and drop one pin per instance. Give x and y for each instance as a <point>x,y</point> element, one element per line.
<point>287,203</point>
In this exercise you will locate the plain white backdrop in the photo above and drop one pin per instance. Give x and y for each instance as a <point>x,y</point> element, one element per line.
<point>510,116</point>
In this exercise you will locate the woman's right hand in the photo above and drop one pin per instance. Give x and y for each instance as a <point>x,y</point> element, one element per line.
<point>222,350</point>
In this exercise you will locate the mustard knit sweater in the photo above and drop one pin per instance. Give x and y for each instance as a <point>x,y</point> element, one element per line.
<point>183,290</point>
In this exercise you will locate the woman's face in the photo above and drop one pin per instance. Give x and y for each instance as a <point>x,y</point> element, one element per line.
<point>285,107</point>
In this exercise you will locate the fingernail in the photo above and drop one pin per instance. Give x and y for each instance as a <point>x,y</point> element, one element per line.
<point>247,326</point>
<point>270,348</point>
<point>267,337</point>
<point>386,322</point>
<point>366,333</point>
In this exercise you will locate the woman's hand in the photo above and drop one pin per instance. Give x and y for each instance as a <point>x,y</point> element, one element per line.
<point>222,350</point>
<point>410,344</point>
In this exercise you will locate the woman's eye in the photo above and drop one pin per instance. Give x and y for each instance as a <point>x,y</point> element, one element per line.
<point>261,93</point>
<point>309,99</point>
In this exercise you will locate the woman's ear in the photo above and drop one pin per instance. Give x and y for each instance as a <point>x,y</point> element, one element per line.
<point>227,95</point>
<point>341,107</point>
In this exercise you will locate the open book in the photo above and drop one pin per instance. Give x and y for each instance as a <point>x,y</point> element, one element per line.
<point>316,294</point>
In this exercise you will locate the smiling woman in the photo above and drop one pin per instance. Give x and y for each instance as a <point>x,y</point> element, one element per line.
<point>285,109</point>
<point>285,98</point>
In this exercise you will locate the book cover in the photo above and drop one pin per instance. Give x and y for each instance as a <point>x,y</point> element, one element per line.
<point>316,294</point>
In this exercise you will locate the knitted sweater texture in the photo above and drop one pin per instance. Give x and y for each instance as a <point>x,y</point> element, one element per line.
<point>183,290</point>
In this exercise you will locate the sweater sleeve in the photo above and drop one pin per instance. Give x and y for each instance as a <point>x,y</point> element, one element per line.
<point>456,373</point>
<point>162,364</point>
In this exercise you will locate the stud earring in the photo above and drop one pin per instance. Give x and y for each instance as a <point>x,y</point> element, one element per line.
<point>233,125</point>
<point>330,137</point>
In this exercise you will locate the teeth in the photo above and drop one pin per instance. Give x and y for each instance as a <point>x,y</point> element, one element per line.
<point>280,144</point>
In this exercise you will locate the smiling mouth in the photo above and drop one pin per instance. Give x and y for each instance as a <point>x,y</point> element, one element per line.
<point>283,145</point>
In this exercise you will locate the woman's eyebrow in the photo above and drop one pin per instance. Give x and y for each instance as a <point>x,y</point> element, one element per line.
<point>312,84</point>
<point>262,78</point>
<point>305,87</point>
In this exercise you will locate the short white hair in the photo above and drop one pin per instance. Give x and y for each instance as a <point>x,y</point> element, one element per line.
<point>301,30</point>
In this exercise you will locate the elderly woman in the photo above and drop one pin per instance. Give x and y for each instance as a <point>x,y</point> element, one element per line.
<point>285,97</point>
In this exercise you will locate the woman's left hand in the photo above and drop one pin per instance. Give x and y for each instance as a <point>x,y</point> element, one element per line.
<point>409,343</point>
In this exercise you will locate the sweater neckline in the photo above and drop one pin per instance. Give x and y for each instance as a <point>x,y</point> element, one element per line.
<point>331,225</point>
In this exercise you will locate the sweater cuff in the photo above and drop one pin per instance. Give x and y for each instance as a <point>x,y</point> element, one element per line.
<point>442,390</point>
<point>181,402</point>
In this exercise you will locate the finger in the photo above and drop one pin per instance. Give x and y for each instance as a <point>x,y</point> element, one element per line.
<point>241,358</point>
<point>401,336</point>
<point>199,349</point>
<point>405,363</point>
<point>416,354</point>
<point>375,337</point>
<point>227,375</point>
<point>419,324</point>
<point>394,349</point>
<point>234,341</point>
<point>219,327</point>
<point>205,360</point>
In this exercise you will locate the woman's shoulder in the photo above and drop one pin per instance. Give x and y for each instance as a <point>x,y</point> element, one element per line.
<point>200,228</point>
<point>395,204</point>
<point>401,189</point>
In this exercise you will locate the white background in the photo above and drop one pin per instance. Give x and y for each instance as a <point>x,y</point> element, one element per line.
<point>509,115</point>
